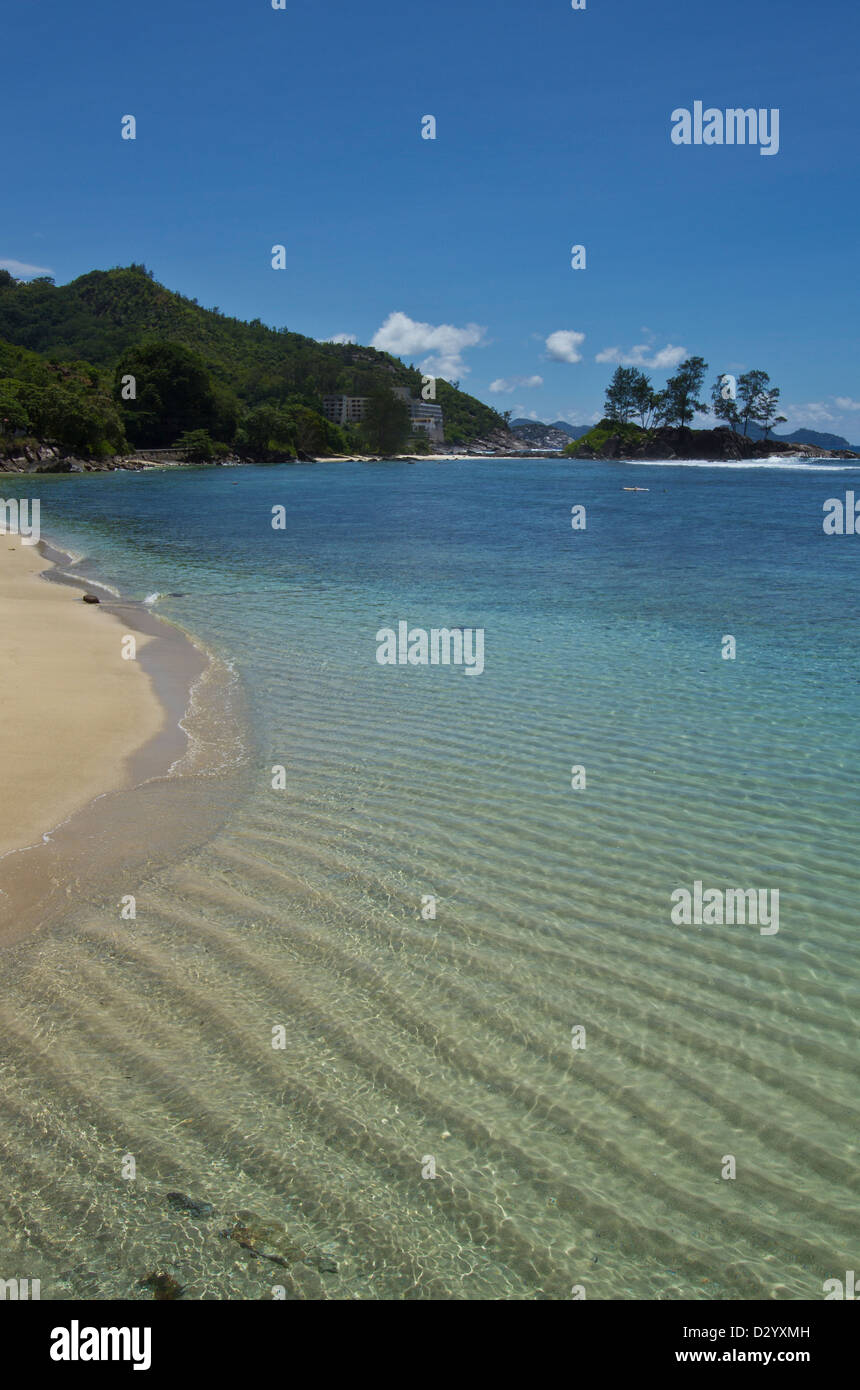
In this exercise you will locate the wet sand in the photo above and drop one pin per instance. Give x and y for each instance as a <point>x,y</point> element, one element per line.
<point>74,709</point>
<point>87,740</point>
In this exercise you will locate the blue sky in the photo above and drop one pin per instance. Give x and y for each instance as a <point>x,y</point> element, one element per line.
<point>258,126</point>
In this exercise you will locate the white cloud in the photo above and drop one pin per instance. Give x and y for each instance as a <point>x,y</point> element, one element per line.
<point>514,382</point>
<point>564,345</point>
<point>825,415</point>
<point>812,414</point>
<point>576,417</point>
<point>340,338</point>
<point>644,355</point>
<point>405,337</point>
<point>22,271</point>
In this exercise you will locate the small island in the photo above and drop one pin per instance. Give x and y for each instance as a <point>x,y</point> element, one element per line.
<point>746,403</point>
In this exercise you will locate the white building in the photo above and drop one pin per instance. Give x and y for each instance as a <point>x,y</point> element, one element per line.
<point>423,415</point>
<point>345,410</point>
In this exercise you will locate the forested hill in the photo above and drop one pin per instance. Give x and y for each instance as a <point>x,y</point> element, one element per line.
<point>105,317</point>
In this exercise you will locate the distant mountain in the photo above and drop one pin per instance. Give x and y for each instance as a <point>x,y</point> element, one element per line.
<point>575,431</point>
<point>526,428</point>
<point>815,437</point>
<point>535,435</point>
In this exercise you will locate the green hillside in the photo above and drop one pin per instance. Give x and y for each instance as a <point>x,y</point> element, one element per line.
<point>244,384</point>
<point>68,401</point>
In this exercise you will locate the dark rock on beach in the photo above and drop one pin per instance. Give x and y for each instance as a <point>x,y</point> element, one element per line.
<point>91,598</point>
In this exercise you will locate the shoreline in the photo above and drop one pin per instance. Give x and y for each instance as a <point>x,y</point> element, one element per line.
<point>797,454</point>
<point>92,743</point>
<point>169,657</point>
<point>76,710</point>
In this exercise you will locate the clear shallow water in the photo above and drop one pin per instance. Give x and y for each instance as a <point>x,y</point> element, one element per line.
<point>409,1038</point>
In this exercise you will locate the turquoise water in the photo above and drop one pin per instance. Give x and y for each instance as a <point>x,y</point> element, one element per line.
<point>411,1037</point>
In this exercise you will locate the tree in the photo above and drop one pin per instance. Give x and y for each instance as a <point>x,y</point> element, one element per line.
<point>621,395</point>
<point>313,434</point>
<point>768,405</point>
<point>387,423</point>
<point>682,391</point>
<point>257,430</point>
<point>661,407</point>
<point>750,388</point>
<point>174,393</point>
<point>647,402</point>
<point>724,400</point>
<point>197,446</point>
<point>86,424</point>
<point>13,410</point>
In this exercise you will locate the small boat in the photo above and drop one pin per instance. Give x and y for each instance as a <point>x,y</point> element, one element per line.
<point>636,489</point>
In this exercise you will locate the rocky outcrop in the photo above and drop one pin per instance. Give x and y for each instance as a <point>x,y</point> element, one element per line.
<point>45,458</point>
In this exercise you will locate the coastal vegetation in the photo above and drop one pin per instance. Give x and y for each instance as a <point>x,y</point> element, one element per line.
<point>70,402</point>
<point>641,420</point>
<point>252,390</point>
<point>738,401</point>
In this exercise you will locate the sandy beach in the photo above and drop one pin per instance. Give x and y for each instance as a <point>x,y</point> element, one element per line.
<point>74,710</point>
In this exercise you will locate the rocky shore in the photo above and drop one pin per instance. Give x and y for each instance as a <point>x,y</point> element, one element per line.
<point>47,458</point>
<point>681,443</point>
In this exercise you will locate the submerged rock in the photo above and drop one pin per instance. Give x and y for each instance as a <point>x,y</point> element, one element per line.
<point>164,1286</point>
<point>267,1240</point>
<point>180,1202</point>
<point>260,1241</point>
